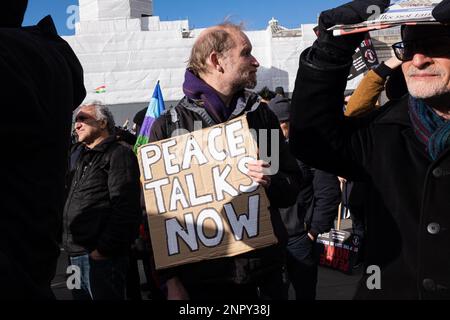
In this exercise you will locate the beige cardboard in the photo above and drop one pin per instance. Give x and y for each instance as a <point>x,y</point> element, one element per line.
<point>200,205</point>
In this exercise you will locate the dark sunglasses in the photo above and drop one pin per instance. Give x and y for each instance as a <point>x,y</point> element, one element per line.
<point>83,118</point>
<point>432,47</point>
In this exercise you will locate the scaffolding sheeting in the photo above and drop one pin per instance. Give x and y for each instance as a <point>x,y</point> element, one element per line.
<point>129,56</point>
<point>95,10</point>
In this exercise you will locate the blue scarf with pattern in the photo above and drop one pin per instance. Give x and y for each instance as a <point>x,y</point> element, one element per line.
<point>432,130</point>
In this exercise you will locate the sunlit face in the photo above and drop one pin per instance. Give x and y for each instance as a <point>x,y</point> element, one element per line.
<point>427,74</point>
<point>87,127</point>
<point>427,77</point>
<point>239,64</point>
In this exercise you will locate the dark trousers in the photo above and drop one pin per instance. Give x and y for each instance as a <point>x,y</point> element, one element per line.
<point>133,283</point>
<point>101,279</point>
<point>302,267</point>
<point>108,278</point>
<point>17,284</point>
<point>269,287</point>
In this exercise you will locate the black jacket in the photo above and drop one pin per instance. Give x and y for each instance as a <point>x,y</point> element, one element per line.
<point>102,210</point>
<point>317,203</point>
<point>408,227</point>
<point>282,193</point>
<point>41,84</point>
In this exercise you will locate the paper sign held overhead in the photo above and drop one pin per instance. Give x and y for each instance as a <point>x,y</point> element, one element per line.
<point>400,12</point>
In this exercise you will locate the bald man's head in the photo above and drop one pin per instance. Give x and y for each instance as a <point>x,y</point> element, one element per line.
<point>218,39</point>
<point>12,13</point>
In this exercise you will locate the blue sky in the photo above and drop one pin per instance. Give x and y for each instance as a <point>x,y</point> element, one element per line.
<point>201,13</point>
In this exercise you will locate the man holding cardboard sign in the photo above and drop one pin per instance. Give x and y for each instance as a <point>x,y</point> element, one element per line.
<point>205,187</point>
<point>188,182</point>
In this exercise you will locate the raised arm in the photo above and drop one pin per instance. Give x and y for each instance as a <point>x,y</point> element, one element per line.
<point>320,135</point>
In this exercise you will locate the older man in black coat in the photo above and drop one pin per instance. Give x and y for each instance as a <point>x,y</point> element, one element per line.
<point>402,149</point>
<point>41,84</point>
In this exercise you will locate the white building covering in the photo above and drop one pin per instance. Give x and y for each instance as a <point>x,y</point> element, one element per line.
<point>123,47</point>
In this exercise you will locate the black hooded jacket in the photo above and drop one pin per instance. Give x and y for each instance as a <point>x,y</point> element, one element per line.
<point>102,210</point>
<point>41,84</point>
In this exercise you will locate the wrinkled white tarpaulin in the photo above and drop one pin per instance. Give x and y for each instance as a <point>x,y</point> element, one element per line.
<point>128,53</point>
<point>94,10</point>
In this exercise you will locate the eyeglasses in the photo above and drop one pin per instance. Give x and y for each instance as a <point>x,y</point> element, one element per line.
<point>83,118</point>
<point>432,47</point>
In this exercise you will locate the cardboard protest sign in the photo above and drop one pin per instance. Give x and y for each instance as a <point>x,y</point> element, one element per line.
<point>200,202</point>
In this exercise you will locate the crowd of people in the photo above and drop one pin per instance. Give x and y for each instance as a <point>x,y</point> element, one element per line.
<point>86,196</point>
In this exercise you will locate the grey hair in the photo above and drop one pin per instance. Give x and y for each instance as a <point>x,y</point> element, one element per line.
<point>102,112</point>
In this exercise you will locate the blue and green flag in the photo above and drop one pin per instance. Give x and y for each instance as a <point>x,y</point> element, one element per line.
<point>155,109</point>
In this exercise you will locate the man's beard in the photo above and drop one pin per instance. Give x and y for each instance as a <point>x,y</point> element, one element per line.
<point>426,89</point>
<point>249,81</point>
<point>251,84</point>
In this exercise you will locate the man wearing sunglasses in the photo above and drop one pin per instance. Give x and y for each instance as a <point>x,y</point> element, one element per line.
<point>402,149</point>
<point>102,210</point>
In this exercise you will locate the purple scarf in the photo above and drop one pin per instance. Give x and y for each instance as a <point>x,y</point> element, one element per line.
<point>196,89</point>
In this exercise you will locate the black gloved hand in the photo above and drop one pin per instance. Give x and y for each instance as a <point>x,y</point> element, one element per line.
<point>442,12</point>
<point>339,50</point>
